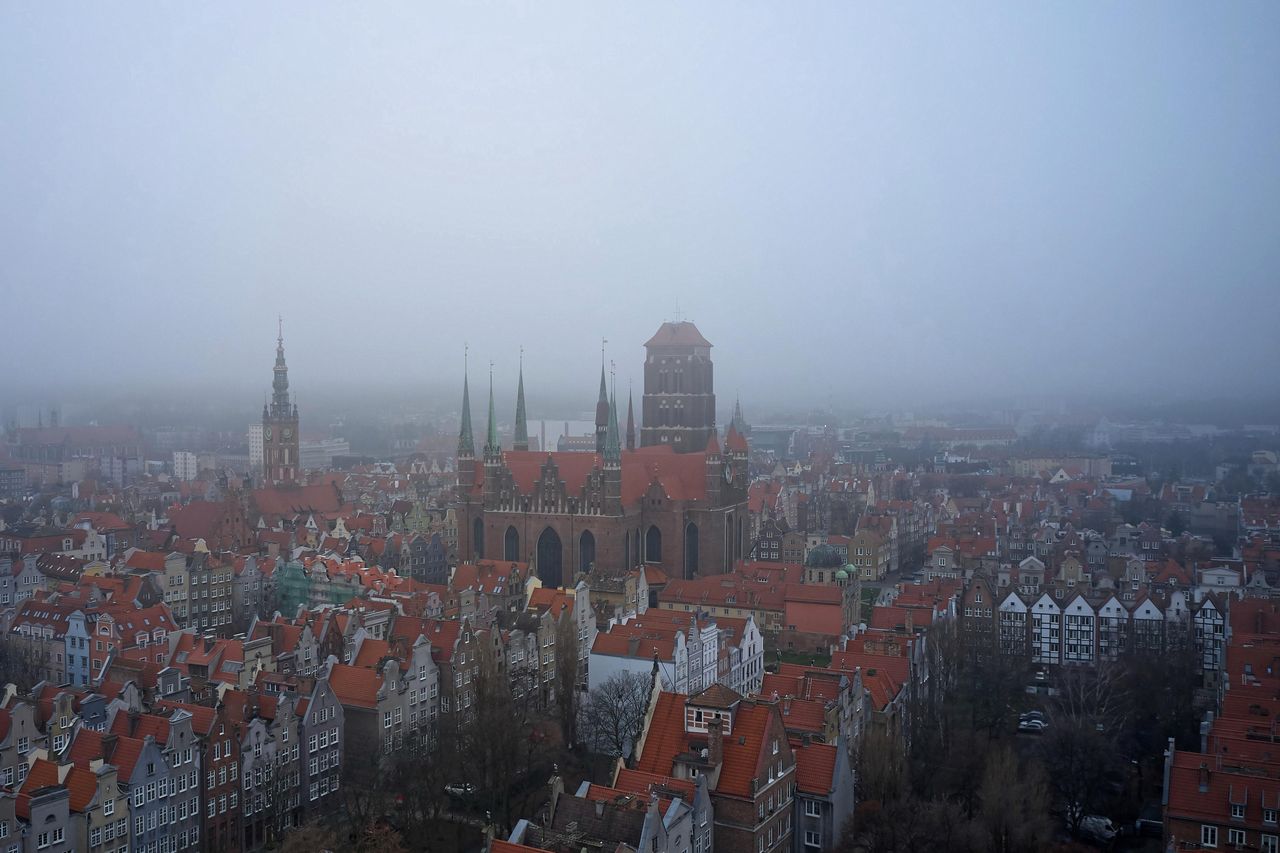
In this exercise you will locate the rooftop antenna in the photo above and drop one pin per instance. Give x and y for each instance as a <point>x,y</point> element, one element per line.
<point>280,328</point>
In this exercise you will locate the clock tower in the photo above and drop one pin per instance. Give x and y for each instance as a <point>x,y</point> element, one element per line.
<point>280,426</point>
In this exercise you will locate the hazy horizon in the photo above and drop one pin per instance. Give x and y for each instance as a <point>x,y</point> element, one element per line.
<point>859,206</point>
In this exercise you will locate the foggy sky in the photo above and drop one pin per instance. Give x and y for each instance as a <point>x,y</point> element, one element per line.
<point>853,201</point>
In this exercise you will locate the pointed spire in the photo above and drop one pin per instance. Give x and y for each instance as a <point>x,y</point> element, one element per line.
<point>491,435</point>
<point>612,446</point>
<point>280,383</point>
<point>737,413</point>
<point>602,405</point>
<point>631,421</point>
<point>466,444</point>
<point>521,441</point>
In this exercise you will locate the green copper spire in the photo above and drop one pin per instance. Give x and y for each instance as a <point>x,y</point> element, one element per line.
<point>612,444</point>
<point>491,436</point>
<point>466,444</point>
<point>521,441</point>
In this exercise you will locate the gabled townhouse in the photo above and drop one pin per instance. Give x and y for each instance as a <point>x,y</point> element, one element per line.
<point>46,811</point>
<point>1046,630</point>
<point>322,721</point>
<point>1147,627</point>
<point>270,765</point>
<point>1014,626</point>
<point>173,732</point>
<point>20,733</point>
<point>249,587</point>
<point>824,795</point>
<point>95,805</point>
<point>171,574</point>
<point>1113,629</point>
<point>387,706</point>
<point>741,746</point>
<point>1079,632</point>
<point>218,776</point>
<point>156,792</point>
<point>1210,635</point>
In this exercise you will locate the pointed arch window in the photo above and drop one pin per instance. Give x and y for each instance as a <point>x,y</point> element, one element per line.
<point>653,545</point>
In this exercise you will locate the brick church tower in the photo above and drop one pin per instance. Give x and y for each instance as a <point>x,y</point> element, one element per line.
<point>679,404</point>
<point>280,426</point>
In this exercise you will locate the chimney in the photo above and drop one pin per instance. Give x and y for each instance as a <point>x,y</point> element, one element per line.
<point>786,705</point>
<point>911,621</point>
<point>716,743</point>
<point>599,808</point>
<point>1204,777</point>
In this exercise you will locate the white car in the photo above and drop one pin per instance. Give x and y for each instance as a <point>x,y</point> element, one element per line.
<point>1098,827</point>
<point>1033,726</point>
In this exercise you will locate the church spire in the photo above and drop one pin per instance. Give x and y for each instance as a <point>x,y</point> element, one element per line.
<point>491,435</point>
<point>602,405</point>
<point>631,422</point>
<point>280,383</point>
<point>466,444</point>
<point>612,447</point>
<point>521,441</point>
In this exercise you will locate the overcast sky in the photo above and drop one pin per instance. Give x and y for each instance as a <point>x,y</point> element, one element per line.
<point>852,200</point>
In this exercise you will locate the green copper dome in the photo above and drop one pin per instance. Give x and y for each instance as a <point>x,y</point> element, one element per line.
<point>824,557</point>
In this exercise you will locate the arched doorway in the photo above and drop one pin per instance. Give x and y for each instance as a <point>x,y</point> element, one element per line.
<point>690,550</point>
<point>549,556</point>
<point>477,539</point>
<point>653,545</point>
<point>511,545</point>
<point>586,550</point>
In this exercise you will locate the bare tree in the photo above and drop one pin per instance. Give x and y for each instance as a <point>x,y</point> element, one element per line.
<point>19,663</point>
<point>613,715</point>
<point>1078,758</point>
<point>1015,804</point>
<point>567,677</point>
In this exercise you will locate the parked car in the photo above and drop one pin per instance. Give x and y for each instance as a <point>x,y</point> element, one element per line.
<point>460,789</point>
<point>1032,715</point>
<point>1098,827</point>
<point>1032,726</point>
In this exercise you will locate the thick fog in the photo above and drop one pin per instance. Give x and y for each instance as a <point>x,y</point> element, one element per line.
<point>853,201</point>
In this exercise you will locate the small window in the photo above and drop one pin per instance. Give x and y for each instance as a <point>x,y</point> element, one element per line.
<point>1208,835</point>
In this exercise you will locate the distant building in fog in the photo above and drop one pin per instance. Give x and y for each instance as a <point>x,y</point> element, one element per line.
<point>185,465</point>
<point>317,455</point>
<point>255,447</point>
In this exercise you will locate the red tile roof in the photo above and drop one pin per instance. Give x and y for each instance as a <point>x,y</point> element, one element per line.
<point>81,784</point>
<point>677,333</point>
<point>665,738</point>
<point>815,768</point>
<point>355,686</point>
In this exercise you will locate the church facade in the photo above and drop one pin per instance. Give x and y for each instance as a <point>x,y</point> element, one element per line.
<point>665,504</point>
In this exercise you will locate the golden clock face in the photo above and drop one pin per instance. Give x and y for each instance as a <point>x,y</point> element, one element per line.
<point>266,433</point>
<point>288,433</point>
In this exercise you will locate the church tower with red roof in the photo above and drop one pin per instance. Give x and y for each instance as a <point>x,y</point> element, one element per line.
<point>678,409</point>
